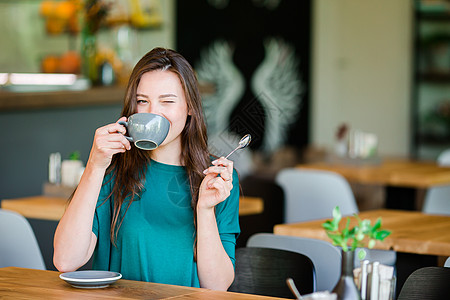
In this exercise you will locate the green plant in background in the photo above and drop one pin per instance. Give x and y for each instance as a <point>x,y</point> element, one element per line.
<point>75,155</point>
<point>351,238</point>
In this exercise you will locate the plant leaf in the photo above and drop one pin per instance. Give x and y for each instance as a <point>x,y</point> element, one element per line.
<point>335,237</point>
<point>377,225</point>
<point>337,216</point>
<point>382,234</point>
<point>328,226</point>
<point>362,254</point>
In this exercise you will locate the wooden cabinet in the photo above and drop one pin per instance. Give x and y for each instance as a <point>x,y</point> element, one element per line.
<point>431,80</point>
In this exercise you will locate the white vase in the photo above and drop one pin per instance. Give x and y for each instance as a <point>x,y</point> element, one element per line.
<point>70,172</point>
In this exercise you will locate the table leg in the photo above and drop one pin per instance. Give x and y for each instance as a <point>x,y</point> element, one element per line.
<point>400,198</point>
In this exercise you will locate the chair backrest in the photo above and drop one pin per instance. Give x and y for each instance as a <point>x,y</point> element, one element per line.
<point>273,198</point>
<point>263,271</point>
<point>430,283</point>
<point>444,158</point>
<point>437,200</point>
<point>18,244</point>
<point>447,263</point>
<point>325,257</point>
<point>313,194</point>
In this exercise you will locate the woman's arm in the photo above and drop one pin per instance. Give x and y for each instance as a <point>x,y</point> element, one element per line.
<point>74,241</point>
<point>215,269</point>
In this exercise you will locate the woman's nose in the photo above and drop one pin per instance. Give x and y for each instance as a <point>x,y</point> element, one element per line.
<point>154,109</point>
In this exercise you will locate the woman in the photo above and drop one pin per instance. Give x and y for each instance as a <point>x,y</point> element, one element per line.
<point>165,215</point>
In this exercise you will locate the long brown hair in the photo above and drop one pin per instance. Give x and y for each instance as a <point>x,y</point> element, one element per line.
<point>128,169</point>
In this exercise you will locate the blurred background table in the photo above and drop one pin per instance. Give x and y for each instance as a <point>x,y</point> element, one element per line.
<point>391,172</point>
<point>52,208</point>
<point>402,178</point>
<point>411,232</point>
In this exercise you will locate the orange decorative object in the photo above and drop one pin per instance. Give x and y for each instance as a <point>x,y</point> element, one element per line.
<point>70,62</point>
<point>61,16</point>
<point>50,64</point>
<point>47,8</point>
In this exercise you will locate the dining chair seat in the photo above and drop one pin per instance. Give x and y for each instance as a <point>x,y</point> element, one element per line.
<point>428,283</point>
<point>18,244</point>
<point>263,271</point>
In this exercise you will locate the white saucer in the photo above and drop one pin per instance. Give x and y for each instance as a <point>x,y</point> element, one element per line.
<point>90,278</point>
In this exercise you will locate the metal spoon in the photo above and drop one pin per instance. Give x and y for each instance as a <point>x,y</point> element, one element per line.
<point>244,142</point>
<point>293,288</point>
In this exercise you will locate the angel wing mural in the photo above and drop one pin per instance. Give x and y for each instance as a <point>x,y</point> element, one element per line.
<point>278,86</point>
<point>276,83</point>
<point>216,66</point>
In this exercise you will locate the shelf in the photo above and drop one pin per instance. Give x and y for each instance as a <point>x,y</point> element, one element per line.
<point>95,96</point>
<point>431,75</point>
<point>434,139</point>
<point>434,77</point>
<point>434,16</point>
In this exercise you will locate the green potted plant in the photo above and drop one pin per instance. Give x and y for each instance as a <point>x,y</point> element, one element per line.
<point>364,234</point>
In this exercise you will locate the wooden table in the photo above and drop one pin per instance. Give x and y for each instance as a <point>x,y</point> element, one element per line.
<point>402,178</point>
<point>19,283</point>
<point>392,172</point>
<point>411,232</point>
<point>52,208</point>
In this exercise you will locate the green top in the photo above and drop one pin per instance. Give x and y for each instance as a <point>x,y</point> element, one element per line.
<point>156,239</point>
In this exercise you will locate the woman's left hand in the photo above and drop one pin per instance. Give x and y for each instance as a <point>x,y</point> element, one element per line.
<point>215,189</point>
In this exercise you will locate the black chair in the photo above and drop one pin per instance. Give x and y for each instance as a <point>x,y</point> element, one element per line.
<point>263,271</point>
<point>273,198</point>
<point>429,283</point>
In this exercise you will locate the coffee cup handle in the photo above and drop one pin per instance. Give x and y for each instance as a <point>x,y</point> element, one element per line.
<point>124,123</point>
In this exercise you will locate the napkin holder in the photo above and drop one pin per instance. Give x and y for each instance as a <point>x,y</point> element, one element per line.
<point>375,281</point>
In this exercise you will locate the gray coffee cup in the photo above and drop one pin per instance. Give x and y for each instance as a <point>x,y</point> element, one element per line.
<point>147,131</point>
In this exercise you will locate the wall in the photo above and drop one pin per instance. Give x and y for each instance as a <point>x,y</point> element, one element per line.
<point>361,71</point>
<point>24,41</point>
<point>29,136</point>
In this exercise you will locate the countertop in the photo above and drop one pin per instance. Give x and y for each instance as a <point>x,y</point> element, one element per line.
<point>35,100</point>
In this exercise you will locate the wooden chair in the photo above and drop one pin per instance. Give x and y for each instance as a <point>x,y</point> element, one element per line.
<point>263,271</point>
<point>18,244</point>
<point>429,283</point>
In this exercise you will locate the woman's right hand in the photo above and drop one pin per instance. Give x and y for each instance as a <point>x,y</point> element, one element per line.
<point>108,140</point>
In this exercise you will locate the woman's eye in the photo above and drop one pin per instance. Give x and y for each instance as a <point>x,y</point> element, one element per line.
<point>140,101</point>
